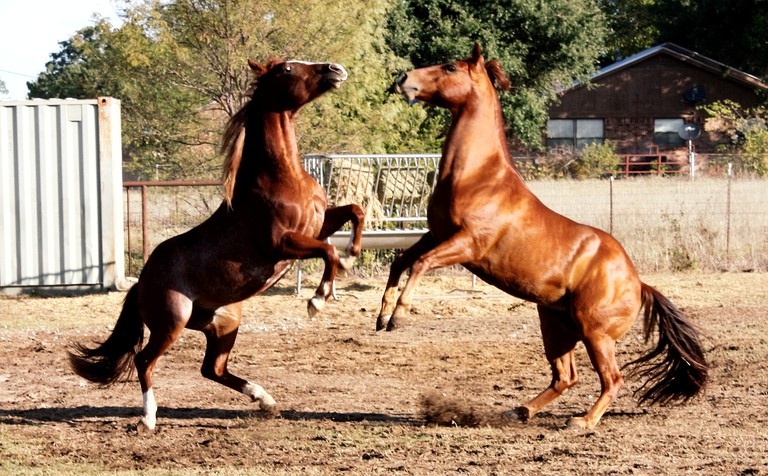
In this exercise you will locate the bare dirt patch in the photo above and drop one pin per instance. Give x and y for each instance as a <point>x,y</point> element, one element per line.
<point>351,398</point>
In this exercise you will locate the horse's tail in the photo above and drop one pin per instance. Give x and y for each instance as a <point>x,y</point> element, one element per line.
<point>682,371</point>
<point>112,360</point>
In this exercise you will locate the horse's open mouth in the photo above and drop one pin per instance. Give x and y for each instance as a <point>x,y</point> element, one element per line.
<point>336,82</point>
<point>408,92</point>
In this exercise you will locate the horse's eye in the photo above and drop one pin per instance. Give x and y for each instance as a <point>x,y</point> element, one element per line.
<point>451,68</point>
<point>287,69</point>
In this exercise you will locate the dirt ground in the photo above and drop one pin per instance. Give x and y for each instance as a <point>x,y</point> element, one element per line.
<point>351,398</point>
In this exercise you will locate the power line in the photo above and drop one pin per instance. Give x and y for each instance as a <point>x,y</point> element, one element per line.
<point>17,74</point>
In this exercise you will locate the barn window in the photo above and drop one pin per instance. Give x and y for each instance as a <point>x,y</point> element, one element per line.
<point>665,132</point>
<point>574,133</point>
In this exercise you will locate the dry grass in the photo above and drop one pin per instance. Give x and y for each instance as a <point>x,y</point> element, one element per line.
<point>673,223</point>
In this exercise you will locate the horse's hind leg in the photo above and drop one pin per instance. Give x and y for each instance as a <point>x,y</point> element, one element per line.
<point>220,336</point>
<point>560,339</point>
<point>601,349</point>
<point>164,328</point>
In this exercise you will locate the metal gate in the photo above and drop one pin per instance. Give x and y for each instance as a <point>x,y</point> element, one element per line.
<point>61,221</point>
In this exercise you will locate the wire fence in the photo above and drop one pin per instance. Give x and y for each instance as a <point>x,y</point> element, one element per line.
<point>665,223</point>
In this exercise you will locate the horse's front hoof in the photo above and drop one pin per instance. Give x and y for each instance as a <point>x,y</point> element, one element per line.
<point>314,306</point>
<point>381,322</point>
<point>144,426</point>
<point>347,262</point>
<point>394,323</point>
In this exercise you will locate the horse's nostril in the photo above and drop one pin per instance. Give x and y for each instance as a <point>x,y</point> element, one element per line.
<point>339,69</point>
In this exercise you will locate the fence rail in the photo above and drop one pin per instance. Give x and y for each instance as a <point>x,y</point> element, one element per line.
<point>665,223</point>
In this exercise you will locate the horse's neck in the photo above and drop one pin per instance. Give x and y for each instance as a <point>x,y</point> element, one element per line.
<point>476,144</point>
<point>274,136</point>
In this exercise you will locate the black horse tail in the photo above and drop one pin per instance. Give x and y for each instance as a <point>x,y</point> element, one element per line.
<point>682,371</point>
<point>112,360</point>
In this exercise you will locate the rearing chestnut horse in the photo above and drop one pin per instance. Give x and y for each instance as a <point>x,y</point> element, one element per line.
<point>273,213</point>
<point>482,216</point>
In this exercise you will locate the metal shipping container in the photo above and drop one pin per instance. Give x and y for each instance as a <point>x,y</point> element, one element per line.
<point>61,215</point>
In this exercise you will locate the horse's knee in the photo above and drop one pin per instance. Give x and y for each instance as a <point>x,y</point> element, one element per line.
<point>563,382</point>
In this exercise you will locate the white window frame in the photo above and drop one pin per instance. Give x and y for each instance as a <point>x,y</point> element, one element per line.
<point>575,133</point>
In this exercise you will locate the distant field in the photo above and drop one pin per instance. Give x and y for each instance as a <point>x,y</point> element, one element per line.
<point>664,223</point>
<point>673,223</point>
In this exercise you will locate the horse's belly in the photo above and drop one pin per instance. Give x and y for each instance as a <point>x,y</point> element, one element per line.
<point>530,288</point>
<point>239,284</point>
<point>260,279</point>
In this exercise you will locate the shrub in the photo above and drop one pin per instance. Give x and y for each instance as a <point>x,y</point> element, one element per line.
<point>595,161</point>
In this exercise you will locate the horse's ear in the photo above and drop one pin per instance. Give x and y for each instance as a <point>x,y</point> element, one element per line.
<point>496,73</point>
<point>477,53</point>
<point>258,69</point>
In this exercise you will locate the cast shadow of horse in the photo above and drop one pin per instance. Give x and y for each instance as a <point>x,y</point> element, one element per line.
<point>224,416</point>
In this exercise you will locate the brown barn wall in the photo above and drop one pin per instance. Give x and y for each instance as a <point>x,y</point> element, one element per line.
<point>631,98</point>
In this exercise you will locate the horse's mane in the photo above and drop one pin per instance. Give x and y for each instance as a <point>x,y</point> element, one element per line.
<point>496,73</point>
<point>234,134</point>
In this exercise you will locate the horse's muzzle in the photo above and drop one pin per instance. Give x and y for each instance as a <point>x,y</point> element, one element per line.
<point>337,74</point>
<point>408,91</point>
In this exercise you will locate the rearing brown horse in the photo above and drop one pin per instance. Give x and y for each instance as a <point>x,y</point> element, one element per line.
<point>482,216</point>
<point>273,213</point>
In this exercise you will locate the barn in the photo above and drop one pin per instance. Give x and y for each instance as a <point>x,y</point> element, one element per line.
<point>641,102</point>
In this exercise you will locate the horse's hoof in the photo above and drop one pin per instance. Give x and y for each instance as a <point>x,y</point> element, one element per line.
<point>270,411</point>
<point>393,324</point>
<point>578,424</point>
<point>347,262</point>
<point>314,306</point>
<point>145,427</point>
<point>518,414</point>
<point>381,322</point>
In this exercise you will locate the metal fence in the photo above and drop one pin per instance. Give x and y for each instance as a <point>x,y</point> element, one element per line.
<point>665,223</point>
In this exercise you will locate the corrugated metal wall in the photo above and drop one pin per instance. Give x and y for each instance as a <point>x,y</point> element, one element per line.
<point>60,194</point>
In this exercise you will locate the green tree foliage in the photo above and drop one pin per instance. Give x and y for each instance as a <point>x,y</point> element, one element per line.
<point>749,128</point>
<point>158,117</point>
<point>180,69</point>
<point>632,28</point>
<point>730,31</point>
<point>542,45</point>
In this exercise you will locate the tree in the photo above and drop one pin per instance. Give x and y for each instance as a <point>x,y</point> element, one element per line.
<point>542,45</point>
<point>631,28</point>
<point>213,40</point>
<point>749,130</point>
<point>729,31</point>
<point>158,118</point>
<point>180,68</point>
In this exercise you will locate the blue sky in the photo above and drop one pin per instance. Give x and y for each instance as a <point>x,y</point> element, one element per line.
<point>30,30</point>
